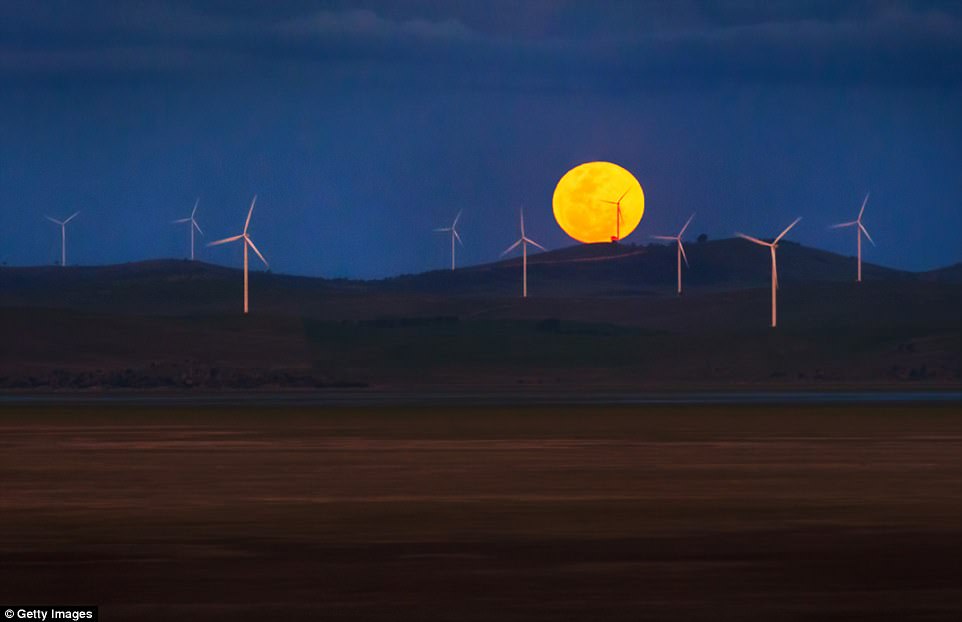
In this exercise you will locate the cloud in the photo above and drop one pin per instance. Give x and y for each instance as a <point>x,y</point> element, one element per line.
<point>783,43</point>
<point>366,23</point>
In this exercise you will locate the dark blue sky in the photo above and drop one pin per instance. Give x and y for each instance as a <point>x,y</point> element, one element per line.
<point>363,125</point>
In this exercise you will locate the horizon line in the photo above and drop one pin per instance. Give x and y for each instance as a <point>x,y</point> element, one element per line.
<point>464,267</point>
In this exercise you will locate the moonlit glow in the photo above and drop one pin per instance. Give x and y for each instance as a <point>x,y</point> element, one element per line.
<point>586,202</point>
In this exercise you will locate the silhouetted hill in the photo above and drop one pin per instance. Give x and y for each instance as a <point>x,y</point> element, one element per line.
<point>168,286</point>
<point>164,286</point>
<point>598,316</point>
<point>949,274</point>
<point>616,269</point>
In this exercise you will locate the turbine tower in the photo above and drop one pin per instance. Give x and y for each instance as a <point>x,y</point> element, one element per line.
<point>618,217</point>
<point>681,247</point>
<point>247,242</point>
<point>192,226</point>
<point>523,241</point>
<point>772,246</point>
<point>453,229</point>
<point>859,230</point>
<point>63,236</point>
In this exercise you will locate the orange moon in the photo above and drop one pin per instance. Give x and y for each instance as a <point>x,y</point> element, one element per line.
<point>585,202</point>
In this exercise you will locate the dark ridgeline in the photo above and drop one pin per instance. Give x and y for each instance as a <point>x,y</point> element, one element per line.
<point>596,314</point>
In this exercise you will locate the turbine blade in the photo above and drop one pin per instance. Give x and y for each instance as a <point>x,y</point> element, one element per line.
<point>454,231</point>
<point>511,248</point>
<point>530,241</point>
<point>249,212</point>
<point>664,237</point>
<point>443,229</point>
<point>623,194</point>
<point>250,242</point>
<point>226,240</point>
<point>196,226</point>
<point>180,220</point>
<point>844,224</point>
<point>865,231</point>
<point>72,216</point>
<point>751,239</point>
<point>194,211</point>
<point>787,229</point>
<point>687,222</point>
<point>53,220</point>
<point>522,222</point>
<point>456,219</point>
<point>864,201</point>
<point>681,247</point>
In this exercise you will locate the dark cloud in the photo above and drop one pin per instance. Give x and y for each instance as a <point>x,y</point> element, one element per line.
<point>561,44</point>
<point>366,23</point>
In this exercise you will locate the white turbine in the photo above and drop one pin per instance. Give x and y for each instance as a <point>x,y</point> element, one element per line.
<point>453,229</point>
<point>524,240</point>
<point>63,236</point>
<point>618,217</point>
<point>681,247</point>
<point>859,230</point>
<point>772,246</point>
<point>192,226</point>
<point>247,242</point>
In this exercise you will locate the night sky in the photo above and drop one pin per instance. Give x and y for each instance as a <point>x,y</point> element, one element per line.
<point>364,125</point>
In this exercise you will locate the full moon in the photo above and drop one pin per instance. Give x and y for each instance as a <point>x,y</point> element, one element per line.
<point>587,199</point>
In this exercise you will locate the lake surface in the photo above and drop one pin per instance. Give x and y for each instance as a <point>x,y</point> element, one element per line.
<point>493,398</point>
<point>431,511</point>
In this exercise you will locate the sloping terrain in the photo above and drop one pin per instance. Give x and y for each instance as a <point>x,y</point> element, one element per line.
<point>183,287</point>
<point>613,269</point>
<point>598,316</point>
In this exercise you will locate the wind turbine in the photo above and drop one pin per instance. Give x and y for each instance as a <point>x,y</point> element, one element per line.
<point>859,230</point>
<point>247,242</point>
<point>454,235</point>
<point>681,247</point>
<point>523,241</point>
<point>63,236</point>
<point>193,225</point>
<point>772,246</point>
<point>618,217</point>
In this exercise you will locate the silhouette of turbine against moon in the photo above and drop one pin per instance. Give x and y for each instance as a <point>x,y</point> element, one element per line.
<point>598,202</point>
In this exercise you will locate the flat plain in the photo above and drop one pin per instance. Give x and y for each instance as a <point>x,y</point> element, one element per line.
<point>647,512</point>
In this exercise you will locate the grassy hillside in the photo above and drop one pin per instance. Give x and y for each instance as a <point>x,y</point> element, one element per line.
<point>599,316</point>
<point>614,269</point>
<point>182,287</point>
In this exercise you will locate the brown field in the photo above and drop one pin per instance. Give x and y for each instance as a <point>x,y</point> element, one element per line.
<point>496,513</point>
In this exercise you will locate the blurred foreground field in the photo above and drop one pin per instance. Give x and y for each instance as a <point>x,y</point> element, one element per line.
<point>495,513</point>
